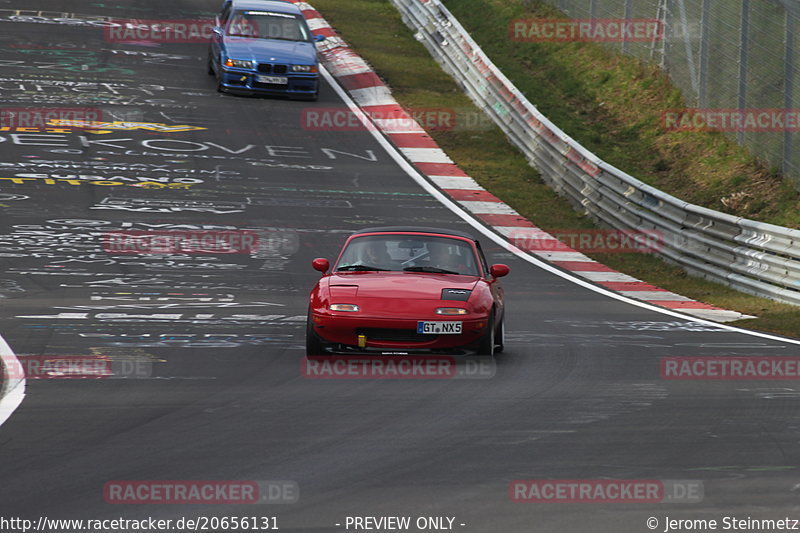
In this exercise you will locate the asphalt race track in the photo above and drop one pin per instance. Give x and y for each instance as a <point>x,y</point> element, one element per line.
<point>206,350</point>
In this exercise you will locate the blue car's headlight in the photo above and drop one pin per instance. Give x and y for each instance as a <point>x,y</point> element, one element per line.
<point>239,63</point>
<point>304,68</point>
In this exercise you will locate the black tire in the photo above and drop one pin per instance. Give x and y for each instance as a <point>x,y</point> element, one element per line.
<point>486,346</point>
<point>210,66</point>
<point>499,337</point>
<point>314,345</point>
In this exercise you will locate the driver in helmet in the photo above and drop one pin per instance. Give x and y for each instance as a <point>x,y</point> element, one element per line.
<point>441,257</point>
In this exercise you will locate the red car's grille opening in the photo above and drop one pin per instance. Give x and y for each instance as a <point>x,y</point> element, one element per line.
<point>395,335</point>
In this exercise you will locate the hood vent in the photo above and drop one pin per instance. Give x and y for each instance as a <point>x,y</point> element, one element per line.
<point>459,295</point>
<point>344,291</point>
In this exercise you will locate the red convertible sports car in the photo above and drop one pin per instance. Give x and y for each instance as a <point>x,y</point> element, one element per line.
<point>404,290</point>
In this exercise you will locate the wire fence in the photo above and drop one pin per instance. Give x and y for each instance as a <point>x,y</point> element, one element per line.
<point>723,54</point>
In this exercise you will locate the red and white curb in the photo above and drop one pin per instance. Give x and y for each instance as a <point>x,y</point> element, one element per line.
<point>376,100</point>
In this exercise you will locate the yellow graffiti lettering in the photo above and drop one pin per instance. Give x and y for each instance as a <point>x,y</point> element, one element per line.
<point>19,180</point>
<point>126,126</point>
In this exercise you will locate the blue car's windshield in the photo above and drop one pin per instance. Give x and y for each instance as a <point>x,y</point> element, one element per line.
<point>267,25</point>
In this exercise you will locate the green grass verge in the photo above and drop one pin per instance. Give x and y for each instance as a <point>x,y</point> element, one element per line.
<point>417,81</point>
<point>613,105</point>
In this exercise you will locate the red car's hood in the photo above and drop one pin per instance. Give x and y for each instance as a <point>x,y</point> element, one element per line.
<point>408,285</point>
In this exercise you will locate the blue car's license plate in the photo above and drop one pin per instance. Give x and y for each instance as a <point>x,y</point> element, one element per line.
<point>278,80</point>
<point>439,328</point>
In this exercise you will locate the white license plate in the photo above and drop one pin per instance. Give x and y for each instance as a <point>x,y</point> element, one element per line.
<point>278,80</point>
<point>439,328</point>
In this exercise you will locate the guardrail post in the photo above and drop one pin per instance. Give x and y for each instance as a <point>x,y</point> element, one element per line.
<point>628,17</point>
<point>687,46</point>
<point>669,33</point>
<point>744,45</point>
<point>702,89</point>
<point>788,87</point>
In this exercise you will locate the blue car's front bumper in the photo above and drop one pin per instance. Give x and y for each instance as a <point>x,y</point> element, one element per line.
<point>298,83</point>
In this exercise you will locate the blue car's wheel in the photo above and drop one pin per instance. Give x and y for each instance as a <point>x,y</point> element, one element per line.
<point>307,97</point>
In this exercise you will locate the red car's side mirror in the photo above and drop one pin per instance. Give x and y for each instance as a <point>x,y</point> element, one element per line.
<point>499,270</point>
<point>322,264</point>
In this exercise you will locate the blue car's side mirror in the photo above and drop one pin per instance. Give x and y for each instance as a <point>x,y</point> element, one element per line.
<point>319,38</point>
<point>217,30</point>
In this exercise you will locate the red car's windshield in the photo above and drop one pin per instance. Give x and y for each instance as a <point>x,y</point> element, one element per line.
<point>409,253</point>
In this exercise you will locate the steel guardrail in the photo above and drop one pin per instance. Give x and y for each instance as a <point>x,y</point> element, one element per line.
<point>753,257</point>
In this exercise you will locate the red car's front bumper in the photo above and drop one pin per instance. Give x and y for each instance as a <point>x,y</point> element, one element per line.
<point>342,332</point>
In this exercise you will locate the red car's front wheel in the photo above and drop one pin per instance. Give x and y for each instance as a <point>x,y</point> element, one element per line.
<point>498,337</point>
<point>314,345</point>
<point>486,344</point>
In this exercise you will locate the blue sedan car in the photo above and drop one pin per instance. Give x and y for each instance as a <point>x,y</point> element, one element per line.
<point>264,47</point>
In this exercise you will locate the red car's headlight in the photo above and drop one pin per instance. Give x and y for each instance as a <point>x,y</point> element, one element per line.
<point>350,308</point>
<point>451,311</point>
